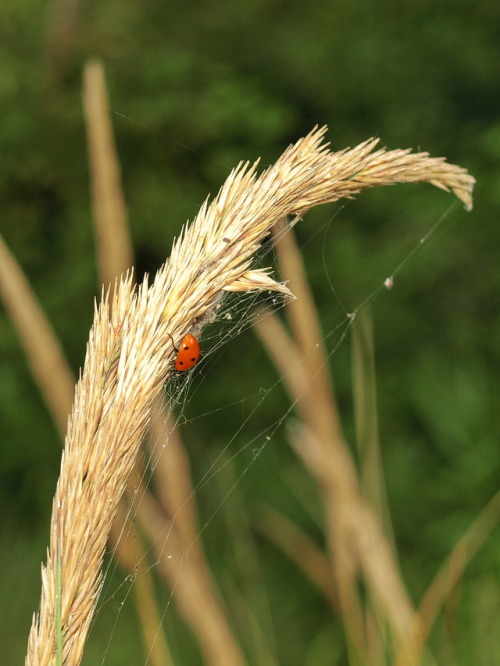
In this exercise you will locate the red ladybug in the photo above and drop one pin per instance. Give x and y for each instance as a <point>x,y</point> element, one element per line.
<point>188,353</point>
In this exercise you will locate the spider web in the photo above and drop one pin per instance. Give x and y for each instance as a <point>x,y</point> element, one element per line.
<point>219,473</point>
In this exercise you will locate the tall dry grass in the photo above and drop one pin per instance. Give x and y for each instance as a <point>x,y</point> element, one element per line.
<point>129,358</point>
<point>383,625</point>
<point>356,539</point>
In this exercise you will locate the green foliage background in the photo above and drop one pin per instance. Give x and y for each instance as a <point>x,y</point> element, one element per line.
<point>198,86</point>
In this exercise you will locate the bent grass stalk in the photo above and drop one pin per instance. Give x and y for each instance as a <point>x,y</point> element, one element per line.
<point>357,543</point>
<point>195,591</point>
<point>130,353</point>
<point>115,254</point>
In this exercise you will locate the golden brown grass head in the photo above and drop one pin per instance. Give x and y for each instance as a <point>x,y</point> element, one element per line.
<point>130,352</point>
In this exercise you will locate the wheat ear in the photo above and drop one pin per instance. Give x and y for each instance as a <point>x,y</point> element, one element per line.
<point>130,353</point>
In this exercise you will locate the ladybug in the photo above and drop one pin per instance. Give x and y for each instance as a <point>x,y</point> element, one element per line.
<point>188,354</point>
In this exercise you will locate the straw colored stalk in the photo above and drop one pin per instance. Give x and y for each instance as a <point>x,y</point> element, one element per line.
<point>114,256</point>
<point>42,348</point>
<point>356,537</point>
<point>172,473</point>
<point>302,550</point>
<point>130,353</point>
<point>446,579</point>
<point>183,565</point>
<point>129,551</point>
<point>309,387</point>
<point>355,534</point>
<point>115,253</point>
<point>176,516</point>
<point>365,411</point>
<point>171,526</point>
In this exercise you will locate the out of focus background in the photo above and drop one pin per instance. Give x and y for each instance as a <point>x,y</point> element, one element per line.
<point>195,87</point>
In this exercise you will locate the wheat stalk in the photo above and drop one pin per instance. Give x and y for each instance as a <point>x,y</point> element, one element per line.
<point>130,353</point>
